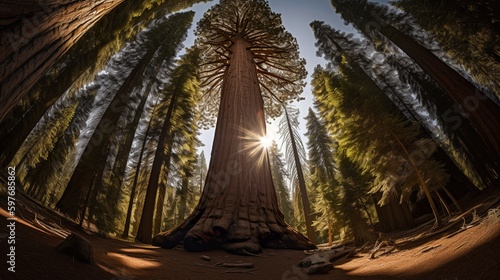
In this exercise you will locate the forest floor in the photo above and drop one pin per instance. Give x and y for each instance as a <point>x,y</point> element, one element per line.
<point>467,247</point>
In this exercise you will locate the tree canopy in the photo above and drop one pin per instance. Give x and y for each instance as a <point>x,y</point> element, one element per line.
<point>275,51</point>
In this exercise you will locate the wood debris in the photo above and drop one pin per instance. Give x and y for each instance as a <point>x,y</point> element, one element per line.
<point>322,262</point>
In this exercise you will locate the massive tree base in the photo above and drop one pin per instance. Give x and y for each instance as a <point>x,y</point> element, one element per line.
<point>197,236</point>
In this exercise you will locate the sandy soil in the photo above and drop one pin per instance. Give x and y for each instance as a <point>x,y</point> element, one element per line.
<point>452,254</point>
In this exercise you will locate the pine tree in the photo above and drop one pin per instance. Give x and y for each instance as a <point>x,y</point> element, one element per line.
<point>296,158</point>
<point>371,20</point>
<point>465,31</point>
<point>279,174</point>
<point>182,89</point>
<point>200,172</point>
<point>245,48</point>
<point>401,81</point>
<point>75,198</point>
<point>377,139</point>
<point>322,168</point>
<point>79,65</point>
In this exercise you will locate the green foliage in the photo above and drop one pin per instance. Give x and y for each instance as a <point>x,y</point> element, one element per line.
<point>465,31</point>
<point>322,172</point>
<point>279,174</point>
<point>411,90</point>
<point>367,134</point>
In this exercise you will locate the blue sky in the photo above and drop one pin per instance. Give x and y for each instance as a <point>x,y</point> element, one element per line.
<point>296,16</point>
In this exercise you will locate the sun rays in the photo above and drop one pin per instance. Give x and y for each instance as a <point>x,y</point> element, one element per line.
<point>256,144</point>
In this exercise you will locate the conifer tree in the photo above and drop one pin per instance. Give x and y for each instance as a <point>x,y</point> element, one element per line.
<point>322,171</point>
<point>378,138</point>
<point>81,62</point>
<point>182,88</point>
<point>371,19</point>
<point>75,198</point>
<point>296,158</point>
<point>278,170</point>
<point>401,81</point>
<point>465,30</point>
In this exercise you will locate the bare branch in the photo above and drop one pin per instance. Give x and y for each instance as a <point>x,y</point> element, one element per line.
<point>275,76</point>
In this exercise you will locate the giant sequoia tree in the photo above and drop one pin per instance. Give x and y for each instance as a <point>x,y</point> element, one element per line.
<point>249,62</point>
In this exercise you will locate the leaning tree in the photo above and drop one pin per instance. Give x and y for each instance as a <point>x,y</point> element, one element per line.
<point>250,64</point>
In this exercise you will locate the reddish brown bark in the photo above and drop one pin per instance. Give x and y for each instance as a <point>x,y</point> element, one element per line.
<point>238,209</point>
<point>35,36</point>
<point>482,112</point>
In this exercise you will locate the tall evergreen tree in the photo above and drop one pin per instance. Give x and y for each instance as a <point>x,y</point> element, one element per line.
<point>466,32</point>
<point>322,168</point>
<point>35,36</point>
<point>371,19</point>
<point>75,197</point>
<point>415,96</point>
<point>245,48</point>
<point>278,171</point>
<point>82,60</point>
<point>296,158</point>
<point>182,88</point>
<point>378,141</point>
<point>200,172</point>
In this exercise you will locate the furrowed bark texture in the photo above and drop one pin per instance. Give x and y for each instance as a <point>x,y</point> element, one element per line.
<point>481,111</point>
<point>35,35</point>
<point>238,210</point>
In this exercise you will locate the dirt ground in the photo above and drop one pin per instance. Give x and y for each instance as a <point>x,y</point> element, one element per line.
<point>454,253</point>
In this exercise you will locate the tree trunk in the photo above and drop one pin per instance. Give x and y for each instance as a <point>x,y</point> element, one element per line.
<point>393,216</point>
<point>183,198</point>
<point>482,112</point>
<point>95,154</point>
<point>145,231</point>
<point>437,222</point>
<point>302,184</point>
<point>444,204</point>
<point>162,190</point>
<point>238,209</point>
<point>160,202</point>
<point>126,228</point>
<point>453,199</point>
<point>330,232</point>
<point>359,227</point>
<point>34,35</point>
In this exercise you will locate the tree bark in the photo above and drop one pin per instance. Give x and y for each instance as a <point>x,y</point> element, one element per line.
<point>36,35</point>
<point>238,209</point>
<point>482,112</point>
<point>95,154</point>
<point>393,216</point>
<point>145,231</point>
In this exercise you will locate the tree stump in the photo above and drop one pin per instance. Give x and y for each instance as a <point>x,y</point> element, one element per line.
<point>78,247</point>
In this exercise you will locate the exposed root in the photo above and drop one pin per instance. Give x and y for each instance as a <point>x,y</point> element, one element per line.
<point>383,243</point>
<point>202,238</point>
